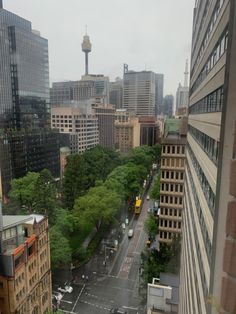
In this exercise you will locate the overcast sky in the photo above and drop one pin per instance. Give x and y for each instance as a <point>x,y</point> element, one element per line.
<point>146,34</point>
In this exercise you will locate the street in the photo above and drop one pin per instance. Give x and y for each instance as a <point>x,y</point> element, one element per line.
<point>100,286</point>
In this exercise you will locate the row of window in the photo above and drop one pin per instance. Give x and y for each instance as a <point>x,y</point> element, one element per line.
<point>207,143</point>
<point>202,223</point>
<point>177,200</point>
<point>214,57</point>
<point>61,116</point>
<point>205,41</point>
<point>206,188</point>
<point>170,224</point>
<point>166,235</point>
<point>213,102</point>
<point>173,149</point>
<point>172,162</point>
<point>173,175</point>
<point>32,265</point>
<point>171,212</point>
<point>168,187</point>
<point>198,249</point>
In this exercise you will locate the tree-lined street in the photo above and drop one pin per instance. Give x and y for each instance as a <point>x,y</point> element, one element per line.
<point>99,287</point>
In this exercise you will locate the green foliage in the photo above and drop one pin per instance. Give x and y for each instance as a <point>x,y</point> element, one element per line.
<point>155,192</point>
<point>23,191</point>
<point>165,260</point>
<point>99,205</point>
<point>150,226</point>
<point>60,248</point>
<point>82,172</point>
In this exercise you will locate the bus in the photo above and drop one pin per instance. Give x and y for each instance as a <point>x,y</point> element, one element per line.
<point>138,205</point>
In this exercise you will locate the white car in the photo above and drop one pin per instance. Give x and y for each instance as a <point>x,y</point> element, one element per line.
<point>148,197</point>
<point>67,288</point>
<point>130,233</point>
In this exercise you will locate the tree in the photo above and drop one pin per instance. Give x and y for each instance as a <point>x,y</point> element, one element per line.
<point>23,191</point>
<point>150,226</point>
<point>45,195</point>
<point>155,192</point>
<point>98,206</point>
<point>73,182</point>
<point>60,248</point>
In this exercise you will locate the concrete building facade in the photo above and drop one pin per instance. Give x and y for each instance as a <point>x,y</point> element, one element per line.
<point>207,281</point>
<point>82,127</point>
<point>172,181</point>
<point>116,93</point>
<point>25,275</point>
<point>106,124</point>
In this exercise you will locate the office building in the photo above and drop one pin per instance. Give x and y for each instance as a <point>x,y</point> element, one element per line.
<point>127,131</point>
<point>116,93</point>
<point>159,86</point>
<point>167,108</point>
<point>94,88</point>
<point>26,142</point>
<point>139,92</point>
<point>25,274</point>
<point>207,281</point>
<point>172,180</point>
<point>149,130</point>
<point>79,123</point>
<point>106,124</point>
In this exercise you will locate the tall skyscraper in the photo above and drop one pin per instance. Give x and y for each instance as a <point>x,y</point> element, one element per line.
<point>27,143</point>
<point>209,221</point>
<point>167,108</point>
<point>139,92</point>
<point>159,86</point>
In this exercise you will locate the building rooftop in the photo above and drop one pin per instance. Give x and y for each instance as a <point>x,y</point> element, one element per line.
<point>10,221</point>
<point>171,280</point>
<point>14,220</point>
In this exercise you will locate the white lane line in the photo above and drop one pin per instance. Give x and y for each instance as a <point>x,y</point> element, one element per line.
<point>95,305</point>
<point>78,298</point>
<point>130,308</point>
<point>69,302</point>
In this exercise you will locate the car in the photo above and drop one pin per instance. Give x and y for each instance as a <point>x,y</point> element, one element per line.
<point>148,197</point>
<point>118,311</point>
<point>130,233</point>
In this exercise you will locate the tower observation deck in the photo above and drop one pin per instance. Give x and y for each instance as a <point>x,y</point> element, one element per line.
<point>86,48</point>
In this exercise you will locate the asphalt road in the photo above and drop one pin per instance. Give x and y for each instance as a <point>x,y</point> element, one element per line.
<point>97,287</point>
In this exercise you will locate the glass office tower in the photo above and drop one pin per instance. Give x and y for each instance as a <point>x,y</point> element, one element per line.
<point>24,101</point>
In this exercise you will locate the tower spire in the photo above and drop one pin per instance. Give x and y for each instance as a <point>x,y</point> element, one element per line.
<point>186,73</point>
<point>86,48</point>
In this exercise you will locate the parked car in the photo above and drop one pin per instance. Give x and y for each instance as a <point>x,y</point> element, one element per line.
<point>130,233</point>
<point>148,197</point>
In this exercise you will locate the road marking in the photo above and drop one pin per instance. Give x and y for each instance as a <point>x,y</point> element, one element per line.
<point>69,302</point>
<point>98,298</point>
<point>78,298</point>
<point>95,305</point>
<point>130,308</point>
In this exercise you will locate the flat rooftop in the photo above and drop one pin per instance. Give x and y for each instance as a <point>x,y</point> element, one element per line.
<point>10,221</point>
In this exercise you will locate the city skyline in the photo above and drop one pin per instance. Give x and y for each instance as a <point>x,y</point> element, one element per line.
<point>114,42</point>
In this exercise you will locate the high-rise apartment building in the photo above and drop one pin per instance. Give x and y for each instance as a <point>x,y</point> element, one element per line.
<point>208,270</point>
<point>25,270</point>
<point>172,179</point>
<point>81,126</point>
<point>26,141</point>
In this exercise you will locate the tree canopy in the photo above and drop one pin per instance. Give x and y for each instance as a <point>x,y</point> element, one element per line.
<point>150,226</point>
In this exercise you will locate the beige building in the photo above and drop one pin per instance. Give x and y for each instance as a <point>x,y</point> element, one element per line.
<point>80,124</point>
<point>208,263</point>
<point>127,131</point>
<point>172,180</point>
<point>25,275</point>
